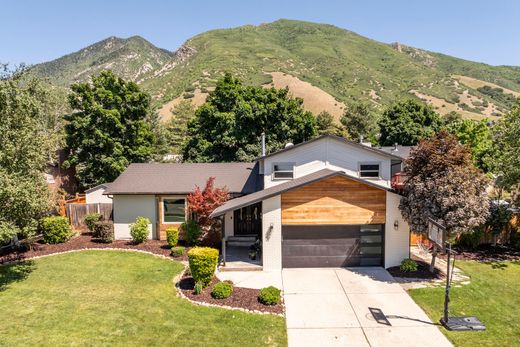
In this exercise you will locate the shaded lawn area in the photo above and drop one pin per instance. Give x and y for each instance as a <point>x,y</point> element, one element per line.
<point>116,298</point>
<point>493,296</point>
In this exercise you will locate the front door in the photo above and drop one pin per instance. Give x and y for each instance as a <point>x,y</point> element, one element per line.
<point>248,220</point>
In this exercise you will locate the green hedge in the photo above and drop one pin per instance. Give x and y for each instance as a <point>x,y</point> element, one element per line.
<point>104,230</point>
<point>90,219</point>
<point>172,237</point>
<point>178,251</point>
<point>55,229</point>
<point>203,262</point>
<point>269,296</point>
<point>192,232</point>
<point>408,265</point>
<point>222,290</point>
<point>139,230</point>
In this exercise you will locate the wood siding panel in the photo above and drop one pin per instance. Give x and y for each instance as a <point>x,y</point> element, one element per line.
<point>336,200</point>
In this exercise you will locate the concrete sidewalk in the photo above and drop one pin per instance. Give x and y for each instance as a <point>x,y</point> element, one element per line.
<point>330,307</point>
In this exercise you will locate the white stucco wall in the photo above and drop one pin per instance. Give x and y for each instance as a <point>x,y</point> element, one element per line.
<point>97,196</point>
<point>127,208</point>
<point>397,242</point>
<point>327,153</point>
<point>229,224</point>
<point>272,234</point>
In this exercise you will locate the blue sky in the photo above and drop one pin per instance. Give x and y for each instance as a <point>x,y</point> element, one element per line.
<point>36,31</point>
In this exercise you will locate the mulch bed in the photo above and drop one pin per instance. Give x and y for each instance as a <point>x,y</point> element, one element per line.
<point>423,272</point>
<point>86,241</point>
<point>486,254</point>
<point>242,297</point>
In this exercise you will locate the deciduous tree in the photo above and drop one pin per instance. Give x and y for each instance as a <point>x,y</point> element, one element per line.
<point>443,184</point>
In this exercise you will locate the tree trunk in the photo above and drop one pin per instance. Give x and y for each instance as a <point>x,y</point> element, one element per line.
<point>434,256</point>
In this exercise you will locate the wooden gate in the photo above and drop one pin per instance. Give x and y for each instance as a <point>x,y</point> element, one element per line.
<point>77,213</point>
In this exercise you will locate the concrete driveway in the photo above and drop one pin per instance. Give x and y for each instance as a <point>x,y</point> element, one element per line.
<point>332,307</point>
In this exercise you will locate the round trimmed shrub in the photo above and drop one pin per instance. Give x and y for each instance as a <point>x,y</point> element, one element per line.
<point>222,290</point>
<point>408,265</point>
<point>178,251</point>
<point>192,232</point>
<point>172,236</point>
<point>203,262</point>
<point>269,295</point>
<point>90,219</point>
<point>55,229</point>
<point>104,230</point>
<point>139,230</point>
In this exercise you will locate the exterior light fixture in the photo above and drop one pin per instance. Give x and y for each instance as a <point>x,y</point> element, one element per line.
<point>396,224</point>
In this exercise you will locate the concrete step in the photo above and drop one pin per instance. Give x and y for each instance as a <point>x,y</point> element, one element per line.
<point>240,243</point>
<point>249,238</point>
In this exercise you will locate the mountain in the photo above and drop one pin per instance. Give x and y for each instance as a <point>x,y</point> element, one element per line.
<point>326,65</point>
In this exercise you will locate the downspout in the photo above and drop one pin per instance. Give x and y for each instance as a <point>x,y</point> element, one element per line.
<point>263,144</point>
<point>223,228</point>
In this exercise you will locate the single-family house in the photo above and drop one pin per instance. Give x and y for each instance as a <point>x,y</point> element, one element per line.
<point>327,202</point>
<point>96,195</point>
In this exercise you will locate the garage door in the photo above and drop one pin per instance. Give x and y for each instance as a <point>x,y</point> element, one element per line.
<point>332,245</point>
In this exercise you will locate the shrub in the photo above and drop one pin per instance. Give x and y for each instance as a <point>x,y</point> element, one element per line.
<point>104,230</point>
<point>192,232</point>
<point>55,229</point>
<point>92,218</point>
<point>203,262</point>
<point>222,290</point>
<point>139,230</point>
<point>408,265</point>
<point>178,251</point>
<point>198,288</point>
<point>269,295</point>
<point>471,240</point>
<point>172,236</point>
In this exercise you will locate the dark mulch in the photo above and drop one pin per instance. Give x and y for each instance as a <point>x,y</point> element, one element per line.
<point>423,271</point>
<point>485,253</point>
<point>242,297</point>
<point>86,241</point>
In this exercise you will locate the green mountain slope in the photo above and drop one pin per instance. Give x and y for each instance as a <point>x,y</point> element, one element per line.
<point>342,64</point>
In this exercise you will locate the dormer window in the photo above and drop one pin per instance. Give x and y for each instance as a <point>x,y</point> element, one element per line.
<point>283,171</point>
<point>369,170</point>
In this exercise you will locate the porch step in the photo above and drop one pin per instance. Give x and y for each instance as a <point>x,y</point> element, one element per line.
<point>240,241</point>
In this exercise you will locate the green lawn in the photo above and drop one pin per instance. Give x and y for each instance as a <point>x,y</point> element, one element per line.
<point>116,298</point>
<point>493,296</point>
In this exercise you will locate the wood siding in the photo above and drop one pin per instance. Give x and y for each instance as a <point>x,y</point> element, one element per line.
<point>336,200</point>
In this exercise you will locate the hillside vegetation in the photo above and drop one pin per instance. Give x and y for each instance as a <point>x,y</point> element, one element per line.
<point>343,64</point>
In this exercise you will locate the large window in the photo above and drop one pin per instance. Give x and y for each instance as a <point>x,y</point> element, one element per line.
<point>369,170</point>
<point>283,171</point>
<point>174,210</point>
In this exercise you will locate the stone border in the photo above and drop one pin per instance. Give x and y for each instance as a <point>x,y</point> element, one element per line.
<point>180,294</point>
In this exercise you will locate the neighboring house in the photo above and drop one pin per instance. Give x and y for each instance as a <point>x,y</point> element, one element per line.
<point>326,202</point>
<point>96,195</point>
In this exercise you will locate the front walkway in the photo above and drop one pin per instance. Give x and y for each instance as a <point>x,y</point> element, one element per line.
<point>332,307</point>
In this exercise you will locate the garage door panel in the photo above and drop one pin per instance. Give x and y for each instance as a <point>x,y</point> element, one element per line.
<point>332,245</point>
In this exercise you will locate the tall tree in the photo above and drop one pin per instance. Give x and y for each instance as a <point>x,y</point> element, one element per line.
<point>228,126</point>
<point>360,120</point>
<point>109,128</point>
<point>326,125</point>
<point>408,122</point>
<point>506,157</point>
<point>477,135</point>
<point>27,141</point>
<point>443,184</point>
<point>177,126</point>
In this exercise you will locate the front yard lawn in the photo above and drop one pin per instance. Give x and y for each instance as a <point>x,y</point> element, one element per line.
<point>493,296</point>
<point>116,298</point>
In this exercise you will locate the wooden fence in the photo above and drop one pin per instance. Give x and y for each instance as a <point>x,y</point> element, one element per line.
<point>77,212</point>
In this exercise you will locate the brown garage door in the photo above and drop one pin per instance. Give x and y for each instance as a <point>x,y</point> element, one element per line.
<point>332,245</point>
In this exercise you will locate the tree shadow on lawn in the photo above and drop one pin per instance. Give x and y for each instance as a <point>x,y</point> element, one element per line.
<point>15,273</point>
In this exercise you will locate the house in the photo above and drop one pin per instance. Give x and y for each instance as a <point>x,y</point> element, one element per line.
<point>326,202</point>
<point>96,195</point>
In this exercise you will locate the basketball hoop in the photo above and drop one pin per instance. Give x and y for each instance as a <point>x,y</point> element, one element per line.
<point>437,233</point>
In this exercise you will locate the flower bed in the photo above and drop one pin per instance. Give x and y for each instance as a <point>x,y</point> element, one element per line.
<point>243,298</point>
<point>86,241</point>
<point>423,272</point>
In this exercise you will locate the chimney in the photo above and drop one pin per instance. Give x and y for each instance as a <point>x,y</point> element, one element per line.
<point>263,144</point>
<point>395,147</point>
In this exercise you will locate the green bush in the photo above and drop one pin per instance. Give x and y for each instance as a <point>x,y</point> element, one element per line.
<point>408,265</point>
<point>104,230</point>
<point>55,229</point>
<point>471,240</point>
<point>92,218</point>
<point>198,288</point>
<point>203,262</point>
<point>222,290</point>
<point>192,232</point>
<point>139,230</point>
<point>269,296</point>
<point>178,251</point>
<point>172,236</point>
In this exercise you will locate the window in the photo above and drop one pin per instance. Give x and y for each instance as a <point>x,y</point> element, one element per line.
<point>283,171</point>
<point>369,170</point>
<point>174,210</point>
